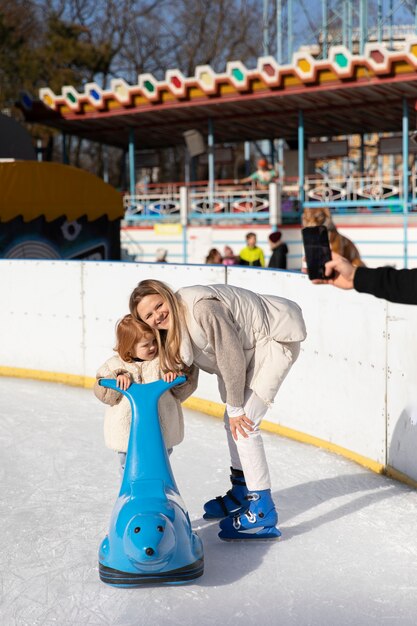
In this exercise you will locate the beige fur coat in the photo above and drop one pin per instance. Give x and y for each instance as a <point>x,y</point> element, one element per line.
<point>117,416</point>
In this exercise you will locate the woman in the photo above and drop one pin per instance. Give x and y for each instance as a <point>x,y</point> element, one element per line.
<point>250,342</point>
<point>279,250</point>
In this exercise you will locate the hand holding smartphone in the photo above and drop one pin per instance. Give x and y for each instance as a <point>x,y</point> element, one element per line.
<point>317,251</point>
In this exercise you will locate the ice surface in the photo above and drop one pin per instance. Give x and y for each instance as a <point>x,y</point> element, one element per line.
<point>348,555</point>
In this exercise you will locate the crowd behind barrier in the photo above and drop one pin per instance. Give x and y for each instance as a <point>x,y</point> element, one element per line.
<point>352,389</point>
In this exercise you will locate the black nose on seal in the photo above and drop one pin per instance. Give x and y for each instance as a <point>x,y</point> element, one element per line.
<point>150,551</point>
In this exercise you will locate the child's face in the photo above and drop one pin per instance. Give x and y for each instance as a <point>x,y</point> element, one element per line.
<point>146,348</point>
<point>251,242</point>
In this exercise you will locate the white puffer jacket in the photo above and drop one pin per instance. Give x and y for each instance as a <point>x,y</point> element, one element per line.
<point>269,329</point>
<point>117,417</point>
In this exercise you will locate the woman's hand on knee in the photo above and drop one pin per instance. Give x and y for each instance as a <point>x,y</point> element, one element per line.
<point>240,424</point>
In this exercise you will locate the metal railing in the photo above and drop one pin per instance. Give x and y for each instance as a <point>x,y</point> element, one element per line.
<point>228,201</point>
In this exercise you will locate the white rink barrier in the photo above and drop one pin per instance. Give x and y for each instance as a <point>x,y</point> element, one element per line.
<point>352,390</point>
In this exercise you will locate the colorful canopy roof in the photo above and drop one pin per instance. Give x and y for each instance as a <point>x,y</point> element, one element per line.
<point>342,94</point>
<point>33,189</point>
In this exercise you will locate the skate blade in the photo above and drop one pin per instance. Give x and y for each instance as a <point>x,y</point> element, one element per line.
<point>265,539</point>
<point>207,516</point>
<point>275,535</point>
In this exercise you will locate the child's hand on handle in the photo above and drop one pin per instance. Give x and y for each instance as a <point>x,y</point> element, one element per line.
<point>169,377</point>
<point>344,272</point>
<point>240,424</point>
<point>123,381</point>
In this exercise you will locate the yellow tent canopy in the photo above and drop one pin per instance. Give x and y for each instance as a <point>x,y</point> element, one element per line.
<point>33,189</point>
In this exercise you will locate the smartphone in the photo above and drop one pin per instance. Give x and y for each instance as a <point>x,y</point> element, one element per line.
<point>317,251</point>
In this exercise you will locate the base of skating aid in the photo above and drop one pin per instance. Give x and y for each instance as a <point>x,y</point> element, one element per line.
<point>180,576</point>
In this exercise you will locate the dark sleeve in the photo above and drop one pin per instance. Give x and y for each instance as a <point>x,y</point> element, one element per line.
<point>282,256</point>
<point>387,282</point>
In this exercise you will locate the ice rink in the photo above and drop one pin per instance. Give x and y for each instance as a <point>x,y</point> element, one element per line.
<point>348,553</point>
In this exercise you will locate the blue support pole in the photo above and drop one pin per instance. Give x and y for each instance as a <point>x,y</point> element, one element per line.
<point>405,179</point>
<point>247,158</point>
<point>363,25</point>
<point>210,144</point>
<point>271,152</point>
<point>415,19</point>
<point>65,159</point>
<point>362,155</point>
<point>132,171</point>
<point>105,164</point>
<point>350,25</point>
<point>301,158</point>
<point>379,21</point>
<point>289,30</point>
<point>324,21</point>
<point>279,31</point>
<point>391,23</point>
<point>265,28</point>
<point>345,25</point>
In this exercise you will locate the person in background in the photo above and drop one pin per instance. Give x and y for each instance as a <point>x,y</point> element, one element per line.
<point>251,254</point>
<point>228,256</point>
<point>279,251</point>
<point>161,255</point>
<point>214,257</point>
<point>382,282</point>
<point>264,175</point>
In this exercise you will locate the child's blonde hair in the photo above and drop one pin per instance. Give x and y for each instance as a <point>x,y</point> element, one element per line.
<point>169,340</point>
<point>128,332</point>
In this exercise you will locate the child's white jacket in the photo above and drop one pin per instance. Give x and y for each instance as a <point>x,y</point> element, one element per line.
<point>117,417</point>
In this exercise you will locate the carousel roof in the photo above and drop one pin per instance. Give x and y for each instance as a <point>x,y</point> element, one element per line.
<point>342,94</point>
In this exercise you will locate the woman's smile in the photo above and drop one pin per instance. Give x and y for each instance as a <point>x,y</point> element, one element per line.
<point>154,311</point>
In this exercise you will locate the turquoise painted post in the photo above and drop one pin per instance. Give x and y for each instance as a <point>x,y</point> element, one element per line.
<point>289,30</point>
<point>363,24</point>
<point>324,22</point>
<point>184,202</point>
<point>362,155</point>
<point>301,159</point>
<point>379,21</point>
<point>105,164</point>
<point>132,171</point>
<point>265,28</point>
<point>65,158</point>
<point>405,179</point>
<point>279,31</point>
<point>247,158</point>
<point>391,22</point>
<point>350,25</point>
<point>210,144</point>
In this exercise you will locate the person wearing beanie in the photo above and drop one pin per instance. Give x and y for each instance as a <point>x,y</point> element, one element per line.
<point>264,175</point>
<point>279,249</point>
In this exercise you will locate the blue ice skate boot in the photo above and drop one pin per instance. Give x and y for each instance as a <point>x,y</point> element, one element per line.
<point>258,522</point>
<point>233,502</point>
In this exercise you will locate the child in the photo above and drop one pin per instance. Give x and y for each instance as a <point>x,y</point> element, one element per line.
<point>137,361</point>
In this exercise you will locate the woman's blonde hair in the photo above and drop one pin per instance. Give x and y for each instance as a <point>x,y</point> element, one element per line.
<point>169,341</point>
<point>128,332</point>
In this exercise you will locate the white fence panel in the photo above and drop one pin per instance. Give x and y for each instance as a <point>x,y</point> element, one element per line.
<point>41,315</point>
<point>336,390</point>
<point>402,388</point>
